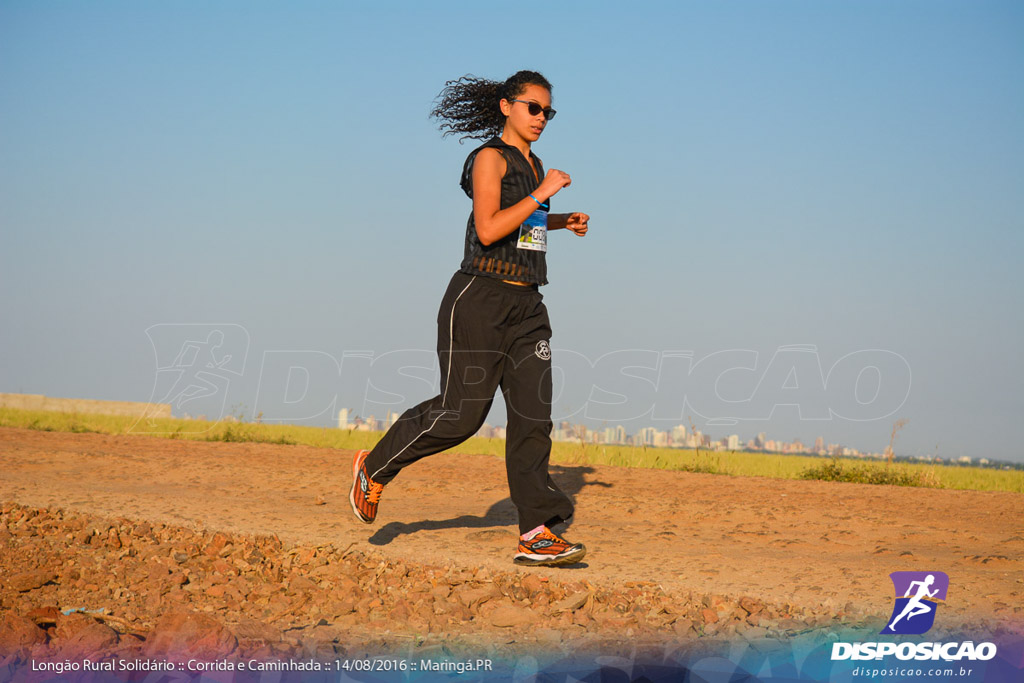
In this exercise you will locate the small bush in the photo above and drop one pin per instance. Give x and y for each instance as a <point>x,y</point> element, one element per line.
<point>82,429</point>
<point>700,467</point>
<point>864,474</point>
<point>232,435</point>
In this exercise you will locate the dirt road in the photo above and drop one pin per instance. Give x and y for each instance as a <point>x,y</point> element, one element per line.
<point>817,544</point>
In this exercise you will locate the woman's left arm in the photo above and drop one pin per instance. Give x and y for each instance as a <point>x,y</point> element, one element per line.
<point>576,221</point>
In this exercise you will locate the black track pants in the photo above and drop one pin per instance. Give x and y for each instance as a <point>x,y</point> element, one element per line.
<point>489,334</point>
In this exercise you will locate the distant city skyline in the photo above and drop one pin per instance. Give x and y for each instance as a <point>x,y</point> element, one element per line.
<point>678,437</point>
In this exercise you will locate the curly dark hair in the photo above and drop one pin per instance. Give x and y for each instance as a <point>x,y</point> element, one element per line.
<point>469,105</point>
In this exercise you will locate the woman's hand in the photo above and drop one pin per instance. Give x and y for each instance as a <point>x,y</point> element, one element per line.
<point>554,180</point>
<point>577,222</point>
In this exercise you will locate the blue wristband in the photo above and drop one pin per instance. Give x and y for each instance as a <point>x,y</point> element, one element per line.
<point>536,200</point>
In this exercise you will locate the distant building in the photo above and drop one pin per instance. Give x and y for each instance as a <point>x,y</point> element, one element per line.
<point>649,436</point>
<point>615,435</point>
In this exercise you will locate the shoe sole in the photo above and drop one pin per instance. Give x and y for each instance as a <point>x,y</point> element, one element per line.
<point>557,561</point>
<point>356,463</point>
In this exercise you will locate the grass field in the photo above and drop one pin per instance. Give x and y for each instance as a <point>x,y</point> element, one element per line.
<point>715,462</point>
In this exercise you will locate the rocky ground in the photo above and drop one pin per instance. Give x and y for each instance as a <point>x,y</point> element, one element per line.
<point>156,590</point>
<point>75,583</point>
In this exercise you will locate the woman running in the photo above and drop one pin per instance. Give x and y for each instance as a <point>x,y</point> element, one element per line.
<point>492,327</point>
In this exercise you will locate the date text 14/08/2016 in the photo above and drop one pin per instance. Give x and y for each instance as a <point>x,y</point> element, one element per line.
<point>413,665</point>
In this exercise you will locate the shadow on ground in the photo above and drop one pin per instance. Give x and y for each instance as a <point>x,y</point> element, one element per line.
<point>571,479</point>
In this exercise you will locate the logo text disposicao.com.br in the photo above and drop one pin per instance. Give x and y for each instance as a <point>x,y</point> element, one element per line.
<point>914,674</point>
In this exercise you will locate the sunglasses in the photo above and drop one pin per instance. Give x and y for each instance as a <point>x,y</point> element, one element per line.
<point>535,109</point>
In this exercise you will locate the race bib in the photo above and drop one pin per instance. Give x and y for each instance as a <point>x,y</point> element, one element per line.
<point>533,233</point>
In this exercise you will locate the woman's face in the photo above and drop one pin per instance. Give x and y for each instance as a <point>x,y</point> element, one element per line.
<point>519,119</point>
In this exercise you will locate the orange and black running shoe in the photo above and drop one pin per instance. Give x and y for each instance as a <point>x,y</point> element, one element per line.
<point>365,492</point>
<point>548,549</point>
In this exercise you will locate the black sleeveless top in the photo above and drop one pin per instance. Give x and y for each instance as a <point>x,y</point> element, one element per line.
<point>503,259</point>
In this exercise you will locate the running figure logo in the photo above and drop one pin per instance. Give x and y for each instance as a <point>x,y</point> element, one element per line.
<point>918,595</point>
<point>195,364</point>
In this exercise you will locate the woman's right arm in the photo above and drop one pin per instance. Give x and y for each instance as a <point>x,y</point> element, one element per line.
<point>492,222</point>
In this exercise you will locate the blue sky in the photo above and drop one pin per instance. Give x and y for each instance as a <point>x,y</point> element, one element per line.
<point>842,177</point>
